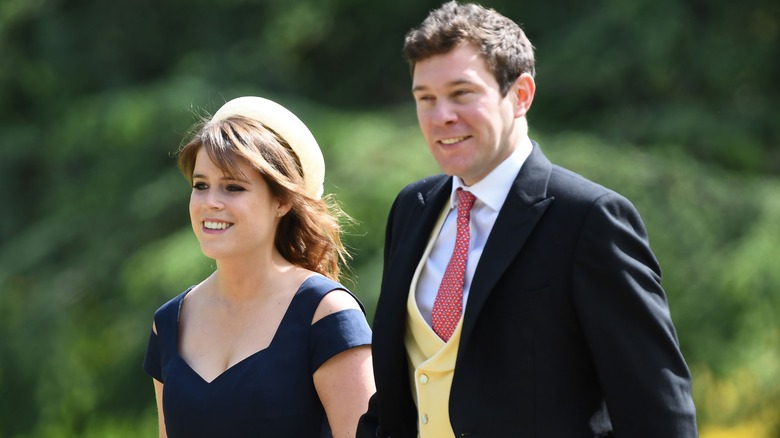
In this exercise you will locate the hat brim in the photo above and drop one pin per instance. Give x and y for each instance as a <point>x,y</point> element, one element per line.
<point>290,128</point>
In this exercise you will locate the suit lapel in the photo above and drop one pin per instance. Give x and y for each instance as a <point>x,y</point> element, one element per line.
<point>414,233</point>
<point>429,206</point>
<point>525,204</point>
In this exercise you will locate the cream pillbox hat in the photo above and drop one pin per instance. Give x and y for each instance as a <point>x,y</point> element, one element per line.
<point>290,128</point>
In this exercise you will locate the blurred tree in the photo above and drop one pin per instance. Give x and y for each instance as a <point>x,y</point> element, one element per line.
<point>95,97</point>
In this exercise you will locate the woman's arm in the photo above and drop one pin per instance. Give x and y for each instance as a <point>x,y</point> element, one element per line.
<point>158,394</point>
<point>158,391</point>
<point>344,382</point>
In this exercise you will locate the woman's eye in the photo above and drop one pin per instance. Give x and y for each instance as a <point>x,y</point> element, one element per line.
<point>199,186</point>
<point>234,188</point>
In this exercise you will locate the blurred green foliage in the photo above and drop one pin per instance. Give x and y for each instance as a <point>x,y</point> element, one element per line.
<point>96,96</point>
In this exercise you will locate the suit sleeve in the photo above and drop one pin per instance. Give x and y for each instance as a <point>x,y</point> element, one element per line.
<point>625,317</point>
<point>368,425</point>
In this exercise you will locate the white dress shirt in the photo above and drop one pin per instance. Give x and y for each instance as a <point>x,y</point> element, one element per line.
<point>491,192</point>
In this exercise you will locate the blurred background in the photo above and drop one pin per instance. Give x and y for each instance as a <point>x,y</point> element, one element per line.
<point>678,98</point>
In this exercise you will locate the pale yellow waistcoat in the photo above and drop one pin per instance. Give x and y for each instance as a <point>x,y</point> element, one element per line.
<point>431,362</point>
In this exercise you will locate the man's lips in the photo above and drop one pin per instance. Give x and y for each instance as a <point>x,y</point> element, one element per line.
<point>452,140</point>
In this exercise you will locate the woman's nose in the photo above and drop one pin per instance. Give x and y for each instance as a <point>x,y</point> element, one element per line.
<point>213,200</point>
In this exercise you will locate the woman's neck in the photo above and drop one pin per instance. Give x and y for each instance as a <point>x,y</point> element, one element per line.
<point>251,277</point>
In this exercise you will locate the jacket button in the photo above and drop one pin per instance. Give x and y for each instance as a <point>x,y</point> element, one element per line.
<point>424,419</point>
<point>424,379</point>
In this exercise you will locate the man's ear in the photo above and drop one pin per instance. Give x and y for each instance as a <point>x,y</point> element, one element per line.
<point>523,90</point>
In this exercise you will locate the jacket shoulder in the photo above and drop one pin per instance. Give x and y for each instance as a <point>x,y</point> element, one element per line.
<point>422,186</point>
<point>567,185</point>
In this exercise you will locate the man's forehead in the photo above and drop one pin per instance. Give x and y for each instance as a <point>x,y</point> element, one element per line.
<point>447,74</point>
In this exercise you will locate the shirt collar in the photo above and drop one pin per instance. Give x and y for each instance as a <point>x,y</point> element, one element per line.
<point>493,189</point>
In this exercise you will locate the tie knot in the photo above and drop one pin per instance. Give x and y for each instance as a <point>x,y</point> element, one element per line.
<point>465,200</point>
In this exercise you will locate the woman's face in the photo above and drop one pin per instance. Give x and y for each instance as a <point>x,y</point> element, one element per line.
<point>232,215</point>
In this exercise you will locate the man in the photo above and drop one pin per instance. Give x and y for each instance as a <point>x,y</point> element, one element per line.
<point>518,298</point>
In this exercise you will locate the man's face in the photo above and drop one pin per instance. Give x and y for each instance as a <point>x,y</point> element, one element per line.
<point>468,125</point>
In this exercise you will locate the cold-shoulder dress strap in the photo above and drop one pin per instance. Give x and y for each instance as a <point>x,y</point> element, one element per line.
<point>163,344</point>
<point>336,332</point>
<point>314,289</point>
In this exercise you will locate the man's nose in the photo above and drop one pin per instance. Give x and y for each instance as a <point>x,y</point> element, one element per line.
<point>444,113</point>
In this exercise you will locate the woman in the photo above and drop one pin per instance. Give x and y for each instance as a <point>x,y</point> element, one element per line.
<point>269,344</point>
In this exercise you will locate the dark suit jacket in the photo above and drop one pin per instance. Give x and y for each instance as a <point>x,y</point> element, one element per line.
<point>566,332</point>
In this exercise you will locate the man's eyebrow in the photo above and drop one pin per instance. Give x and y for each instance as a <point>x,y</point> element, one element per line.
<point>417,88</point>
<point>454,83</point>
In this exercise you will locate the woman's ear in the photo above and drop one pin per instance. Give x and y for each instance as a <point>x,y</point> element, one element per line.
<point>283,208</point>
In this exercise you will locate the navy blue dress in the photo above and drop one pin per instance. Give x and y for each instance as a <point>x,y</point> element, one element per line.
<point>270,393</point>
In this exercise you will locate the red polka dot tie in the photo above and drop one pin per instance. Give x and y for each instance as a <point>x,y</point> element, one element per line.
<point>448,306</point>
